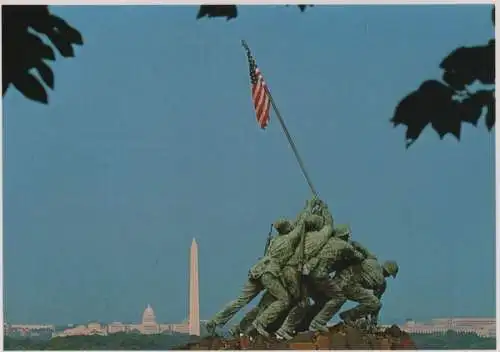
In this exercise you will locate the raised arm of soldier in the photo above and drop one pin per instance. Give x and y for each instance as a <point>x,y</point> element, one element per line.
<point>325,213</point>
<point>317,233</point>
<point>315,241</point>
<point>282,247</point>
<point>351,253</point>
<point>304,217</point>
<point>360,248</point>
<point>334,252</point>
<point>311,204</point>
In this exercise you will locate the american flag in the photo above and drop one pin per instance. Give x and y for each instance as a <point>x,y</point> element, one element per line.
<point>260,97</point>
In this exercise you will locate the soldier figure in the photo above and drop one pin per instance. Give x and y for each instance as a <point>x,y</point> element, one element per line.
<point>297,266</point>
<point>265,275</point>
<point>335,252</point>
<point>318,231</point>
<point>319,298</point>
<point>363,283</point>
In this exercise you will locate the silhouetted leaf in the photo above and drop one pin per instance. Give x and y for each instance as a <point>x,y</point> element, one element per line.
<point>469,110</point>
<point>446,121</point>
<point>439,104</point>
<point>42,25</point>
<point>5,86</point>
<point>480,100</point>
<point>406,114</point>
<point>454,126</point>
<point>46,74</point>
<point>488,72</point>
<point>302,8</point>
<point>436,100</point>
<point>38,48</point>
<point>430,104</point>
<point>436,90</point>
<point>455,79</point>
<point>228,11</point>
<point>458,67</point>
<point>484,64</point>
<point>490,114</point>
<point>67,32</point>
<point>31,88</point>
<point>63,46</point>
<point>466,64</point>
<point>24,50</point>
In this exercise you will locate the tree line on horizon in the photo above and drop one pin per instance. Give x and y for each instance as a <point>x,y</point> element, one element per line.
<point>130,341</point>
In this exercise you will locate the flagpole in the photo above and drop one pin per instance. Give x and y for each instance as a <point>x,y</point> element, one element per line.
<point>282,123</point>
<point>290,141</point>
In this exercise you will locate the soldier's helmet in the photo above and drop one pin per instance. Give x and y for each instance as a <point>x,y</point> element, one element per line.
<point>343,232</point>
<point>283,226</point>
<point>391,267</point>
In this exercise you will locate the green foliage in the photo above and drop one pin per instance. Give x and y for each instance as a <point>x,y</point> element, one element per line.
<point>119,341</point>
<point>453,341</point>
<point>127,341</point>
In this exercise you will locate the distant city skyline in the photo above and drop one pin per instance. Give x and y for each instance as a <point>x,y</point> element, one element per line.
<point>149,139</point>
<point>149,323</point>
<point>484,327</point>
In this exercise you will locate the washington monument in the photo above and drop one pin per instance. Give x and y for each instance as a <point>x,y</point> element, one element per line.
<point>194,294</point>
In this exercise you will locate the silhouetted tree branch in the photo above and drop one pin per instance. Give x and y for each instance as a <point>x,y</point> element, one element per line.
<point>228,11</point>
<point>466,92</point>
<point>444,105</point>
<point>25,51</point>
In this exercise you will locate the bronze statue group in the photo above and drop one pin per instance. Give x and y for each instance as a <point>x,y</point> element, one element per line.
<point>309,270</point>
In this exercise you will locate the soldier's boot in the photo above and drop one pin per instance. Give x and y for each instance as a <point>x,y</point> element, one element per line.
<point>246,322</point>
<point>348,318</point>
<point>330,308</point>
<point>235,331</point>
<point>260,328</point>
<point>374,329</point>
<point>284,334</point>
<point>211,327</point>
<point>318,327</point>
<point>250,331</point>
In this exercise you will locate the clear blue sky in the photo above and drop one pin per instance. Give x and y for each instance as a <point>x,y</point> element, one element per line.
<point>150,139</point>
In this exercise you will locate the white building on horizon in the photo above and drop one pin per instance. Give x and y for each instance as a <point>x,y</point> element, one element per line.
<point>484,327</point>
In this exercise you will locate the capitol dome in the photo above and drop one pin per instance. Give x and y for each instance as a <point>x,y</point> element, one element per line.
<point>148,317</point>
